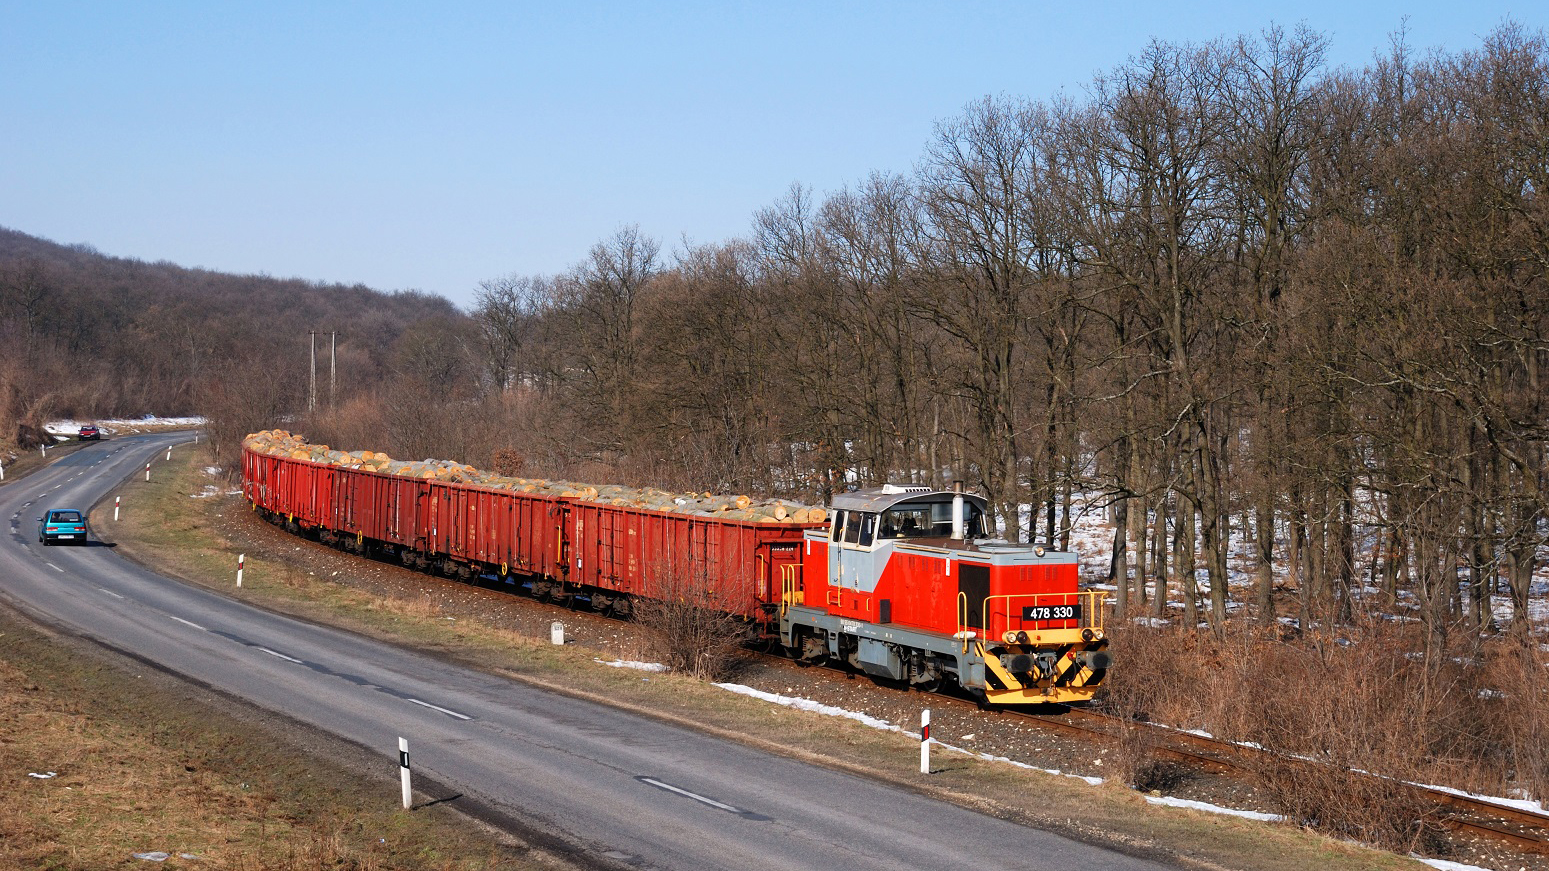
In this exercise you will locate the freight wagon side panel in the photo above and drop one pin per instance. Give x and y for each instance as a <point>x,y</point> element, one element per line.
<point>373,505</point>
<point>342,516</point>
<point>539,526</point>
<point>405,516</point>
<point>306,491</point>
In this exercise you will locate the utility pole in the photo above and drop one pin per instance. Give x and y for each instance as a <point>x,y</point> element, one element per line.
<point>312,402</point>
<point>333,367</point>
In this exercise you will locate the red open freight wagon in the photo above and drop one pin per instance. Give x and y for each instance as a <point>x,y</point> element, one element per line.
<point>611,548</point>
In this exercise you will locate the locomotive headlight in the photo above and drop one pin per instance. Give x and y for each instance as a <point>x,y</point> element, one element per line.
<point>1010,637</point>
<point>1038,550</point>
<point>1086,635</point>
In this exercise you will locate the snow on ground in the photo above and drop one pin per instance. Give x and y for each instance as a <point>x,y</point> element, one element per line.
<point>68,429</point>
<point>626,663</point>
<point>1530,806</point>
<point>1444,865</point>
<point>1169,801</point>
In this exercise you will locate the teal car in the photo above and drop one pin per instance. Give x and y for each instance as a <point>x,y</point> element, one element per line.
<point>62,524</point>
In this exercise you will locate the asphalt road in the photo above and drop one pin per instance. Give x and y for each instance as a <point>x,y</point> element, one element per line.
<point>620,789</point>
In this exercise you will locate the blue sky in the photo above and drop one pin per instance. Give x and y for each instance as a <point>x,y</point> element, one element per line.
<point>405,146</point>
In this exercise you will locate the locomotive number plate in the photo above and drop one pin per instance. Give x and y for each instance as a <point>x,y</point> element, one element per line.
<point>1051,612</point>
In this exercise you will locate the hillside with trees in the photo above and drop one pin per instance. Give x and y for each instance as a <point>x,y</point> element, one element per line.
<point>90,336</point>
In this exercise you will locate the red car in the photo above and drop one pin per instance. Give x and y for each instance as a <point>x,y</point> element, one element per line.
<point>89,432</point>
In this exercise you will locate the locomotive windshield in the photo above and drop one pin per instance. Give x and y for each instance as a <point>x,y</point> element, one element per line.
<point>930,520</point>
<point>905,520</point>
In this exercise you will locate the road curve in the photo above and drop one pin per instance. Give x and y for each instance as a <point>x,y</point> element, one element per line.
<point>621,790</point>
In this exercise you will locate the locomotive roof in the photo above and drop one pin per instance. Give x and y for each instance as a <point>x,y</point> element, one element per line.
<point>878,499</point>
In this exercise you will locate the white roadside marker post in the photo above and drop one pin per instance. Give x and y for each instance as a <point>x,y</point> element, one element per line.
<point>2,471</point>
<point>557,632</point>
<point>44,449</point>
<point>925,741</point>
<point>403,772</point>
<point>169,453</point>
<point>241,558</point>
<point>147,473</point>
<point>115,508</point>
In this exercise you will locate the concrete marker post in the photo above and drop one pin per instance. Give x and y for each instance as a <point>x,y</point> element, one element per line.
<point>925,741</point>
<point>115,508</point>
<point>241,558</point>
<point>403,773</point>
<point>557,632</point>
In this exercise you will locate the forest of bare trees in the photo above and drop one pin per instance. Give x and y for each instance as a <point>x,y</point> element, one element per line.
<point>1228,293</point>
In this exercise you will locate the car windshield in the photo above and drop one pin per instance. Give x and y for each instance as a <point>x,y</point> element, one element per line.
<point>65,517</point>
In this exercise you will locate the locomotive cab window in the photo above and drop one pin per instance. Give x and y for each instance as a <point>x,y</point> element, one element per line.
<point>859,528</point>
<point>930,520</point>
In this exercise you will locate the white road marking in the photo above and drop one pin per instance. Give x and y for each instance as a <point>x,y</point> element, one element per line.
<point>277,653</point>
<point>695,796</point>
<point>111,593</point>
<point>441,709</point>
<point>55,568</point>
<point>187,623</point>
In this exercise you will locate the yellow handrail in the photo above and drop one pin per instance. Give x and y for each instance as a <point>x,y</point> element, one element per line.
<point>962,619</point>
<point>1091,601</point>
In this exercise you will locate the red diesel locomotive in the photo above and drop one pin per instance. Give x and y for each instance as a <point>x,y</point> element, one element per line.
<point>902,583</point>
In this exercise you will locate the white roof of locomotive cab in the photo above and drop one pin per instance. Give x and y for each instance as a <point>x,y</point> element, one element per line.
<point>879,499</point>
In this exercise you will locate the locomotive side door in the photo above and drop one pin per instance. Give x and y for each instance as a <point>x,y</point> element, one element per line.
<point>973,582</point>
<point>852,563</point>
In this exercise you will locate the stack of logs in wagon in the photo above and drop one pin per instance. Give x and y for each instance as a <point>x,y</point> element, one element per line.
<point>282,444</point>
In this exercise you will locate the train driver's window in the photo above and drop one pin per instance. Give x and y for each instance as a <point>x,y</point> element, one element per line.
<point>836,532</point>
<point>868,528</point>
<point>852,526</point>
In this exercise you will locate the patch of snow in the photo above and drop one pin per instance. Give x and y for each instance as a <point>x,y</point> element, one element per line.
<point>638,666</point>
<point>1518,803</point>
<point>1445,865</point>
<point>810,705</point>
<point>1169,801</point>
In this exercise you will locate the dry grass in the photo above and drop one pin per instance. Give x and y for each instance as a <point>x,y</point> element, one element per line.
<point>138,768</point>
<point>1360,702</point>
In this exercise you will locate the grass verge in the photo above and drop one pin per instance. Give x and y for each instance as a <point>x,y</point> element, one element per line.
<point>165,528</point>
<point>98,763</point>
